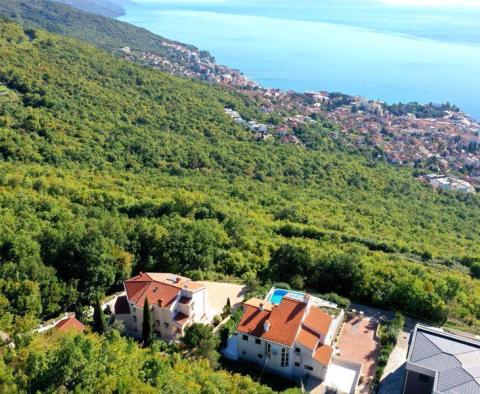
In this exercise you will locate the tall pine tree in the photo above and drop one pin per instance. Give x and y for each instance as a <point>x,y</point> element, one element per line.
<point>147,325</point>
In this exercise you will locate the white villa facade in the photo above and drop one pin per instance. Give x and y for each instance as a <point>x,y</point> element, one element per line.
<point>293,339</point>
<point>176,302</point>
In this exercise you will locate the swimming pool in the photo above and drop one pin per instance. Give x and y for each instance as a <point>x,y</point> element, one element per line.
<point>277,295</point>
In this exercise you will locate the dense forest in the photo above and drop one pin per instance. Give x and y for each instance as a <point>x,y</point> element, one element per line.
<point>112,364</point>
<point>98,30</point>
<point>108,168</point>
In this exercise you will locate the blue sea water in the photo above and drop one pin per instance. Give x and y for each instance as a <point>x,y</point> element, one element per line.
<point>392,53</point>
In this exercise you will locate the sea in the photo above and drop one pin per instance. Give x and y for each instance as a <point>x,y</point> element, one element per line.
<point>383,50</point>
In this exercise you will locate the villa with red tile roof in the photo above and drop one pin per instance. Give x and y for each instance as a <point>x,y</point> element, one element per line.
<point>293,339</point>
<point>176,303</point>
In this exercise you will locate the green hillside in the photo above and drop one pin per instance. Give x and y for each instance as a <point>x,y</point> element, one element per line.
<point>108,168</point>
<point>100,31</point>
<point>110,8</point>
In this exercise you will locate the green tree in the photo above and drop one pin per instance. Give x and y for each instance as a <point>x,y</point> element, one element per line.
<point>99,322</point>
<point>201,342</point>
<point>147,324</point>
<point>227,309</point>
<point>79,312</point>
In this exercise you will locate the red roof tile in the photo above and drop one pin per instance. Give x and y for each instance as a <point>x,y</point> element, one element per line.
<point>308,338</point>
<point>70,324</point>
<point>158,287</point>
<point>318,321</point>
<point>157,292</point>
<point>323,354</point>
<point>253,320</point>
<point>285,320</point>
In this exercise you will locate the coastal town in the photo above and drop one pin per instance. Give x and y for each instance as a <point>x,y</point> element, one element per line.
<point>435,137</point>
<point>188,62</point>
<point>447,143</point>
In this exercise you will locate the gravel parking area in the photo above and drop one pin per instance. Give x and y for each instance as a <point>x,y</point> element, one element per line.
<point>218,293</point>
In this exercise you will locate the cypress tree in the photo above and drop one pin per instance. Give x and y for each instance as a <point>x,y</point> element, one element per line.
<point>99,324</point>
<point>147,325</point>
<point>79,312</point>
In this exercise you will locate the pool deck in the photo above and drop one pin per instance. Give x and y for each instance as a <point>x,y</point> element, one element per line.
<point>297,295</point>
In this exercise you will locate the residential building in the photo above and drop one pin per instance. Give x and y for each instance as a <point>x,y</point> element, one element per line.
<point>439,362</point>
<point>293,339</point>
<point>176,303</point>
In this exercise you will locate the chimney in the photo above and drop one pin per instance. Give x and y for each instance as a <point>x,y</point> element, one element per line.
<point>177,279</point>
<point>266,326</point>
<point>260,306</point>
<point>160,303</point>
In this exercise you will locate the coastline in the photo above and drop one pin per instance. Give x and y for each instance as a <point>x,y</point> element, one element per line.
<point>305,56</point>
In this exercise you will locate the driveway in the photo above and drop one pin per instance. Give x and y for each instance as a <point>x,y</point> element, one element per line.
<point>394,372</point>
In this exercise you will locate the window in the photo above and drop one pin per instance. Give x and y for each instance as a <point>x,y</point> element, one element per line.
<point>284,359</point>
<point>258,341</point>
<point>297,364</point>
<point>157,322</point>
<point>260,355</point>
<point>423,378</point>
<point>269,348</point>
<point>166,325</point>
<point>245,337</point>
<point>134,318</point>
<point>297,350</point>
<point>244,353</point>
<point>308,367</point>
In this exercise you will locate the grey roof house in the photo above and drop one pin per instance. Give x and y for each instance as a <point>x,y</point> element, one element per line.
<point>441,363</point>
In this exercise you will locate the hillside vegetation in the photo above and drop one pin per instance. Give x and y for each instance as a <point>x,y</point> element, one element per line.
<point>111,364</point>
<point>110,8</point>
<point>98,30</point>
<point>108,168</point>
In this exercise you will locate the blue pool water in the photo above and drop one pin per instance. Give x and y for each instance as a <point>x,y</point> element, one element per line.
<point>278,294</point>
<point>367,47</point>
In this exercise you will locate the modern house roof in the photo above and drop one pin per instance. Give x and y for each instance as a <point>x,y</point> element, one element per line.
<point>70,324</point>
<point>455,359</point>
<point>160,288</point>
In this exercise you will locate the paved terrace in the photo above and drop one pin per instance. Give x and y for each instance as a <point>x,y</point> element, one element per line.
<point>358,342</point>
